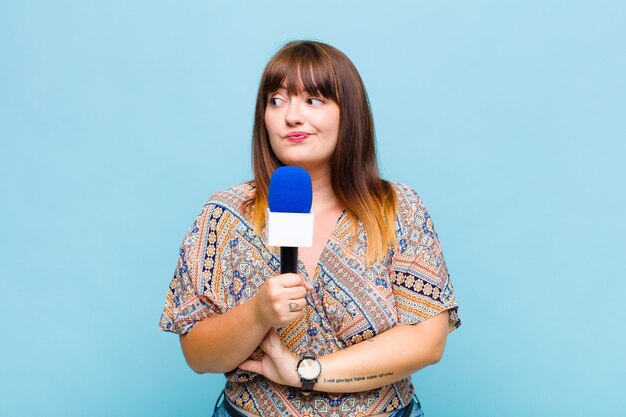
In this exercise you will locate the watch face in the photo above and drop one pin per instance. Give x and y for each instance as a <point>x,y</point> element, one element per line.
<point>309,368</point>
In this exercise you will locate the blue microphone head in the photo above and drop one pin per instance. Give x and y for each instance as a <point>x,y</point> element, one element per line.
<point>290,191</point>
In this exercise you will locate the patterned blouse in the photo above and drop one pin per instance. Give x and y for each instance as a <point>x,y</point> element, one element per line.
<point>223,263</point>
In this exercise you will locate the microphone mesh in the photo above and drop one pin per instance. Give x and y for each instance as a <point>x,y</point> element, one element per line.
<point>290,191</point>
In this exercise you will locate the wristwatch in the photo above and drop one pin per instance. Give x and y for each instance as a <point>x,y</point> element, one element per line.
<point>308,369</point>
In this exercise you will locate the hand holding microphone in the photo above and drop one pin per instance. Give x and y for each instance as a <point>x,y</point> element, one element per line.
<point>289,225</point>
<point>282,299</point>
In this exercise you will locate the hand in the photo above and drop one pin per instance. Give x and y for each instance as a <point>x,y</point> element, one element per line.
<point>278,363</point>
<point>281,299</point>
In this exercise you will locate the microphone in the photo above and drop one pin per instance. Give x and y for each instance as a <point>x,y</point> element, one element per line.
<point>289,217</point>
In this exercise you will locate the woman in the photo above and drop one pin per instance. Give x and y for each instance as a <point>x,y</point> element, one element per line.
<point>373,302</point>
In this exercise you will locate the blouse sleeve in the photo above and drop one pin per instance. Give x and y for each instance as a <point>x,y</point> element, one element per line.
<point>193,294</point>
<point>420,280</point>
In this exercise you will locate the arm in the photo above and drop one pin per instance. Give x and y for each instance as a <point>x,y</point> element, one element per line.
<point>382,360</point>
<point>219,343</point>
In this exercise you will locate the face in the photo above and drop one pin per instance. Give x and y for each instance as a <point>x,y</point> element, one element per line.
<point>303,129</point>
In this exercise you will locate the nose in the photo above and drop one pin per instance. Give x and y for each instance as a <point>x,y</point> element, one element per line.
<point>293,117</point>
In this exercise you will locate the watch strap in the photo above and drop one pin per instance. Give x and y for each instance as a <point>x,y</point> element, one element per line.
<point>307,385</point>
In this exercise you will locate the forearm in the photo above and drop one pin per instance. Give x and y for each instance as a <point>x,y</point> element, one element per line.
<point>382,360</point>
<point>221,343</point>
<point>218,344</point>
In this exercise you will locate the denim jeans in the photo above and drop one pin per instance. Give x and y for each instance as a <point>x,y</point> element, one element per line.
<point>220,411</point>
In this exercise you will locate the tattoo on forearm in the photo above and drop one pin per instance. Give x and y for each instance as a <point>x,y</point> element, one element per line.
<point>356,378</point>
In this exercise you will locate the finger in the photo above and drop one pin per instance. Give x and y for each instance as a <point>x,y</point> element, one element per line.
<point>297,305</point>
<point>295,293</point>
<point>306,284</point>
<point>272,335</point>
<point>251,366</point>
<point>294,306</point>
<point>272,344</point>
<point>291,280</point>
<point>294,280</point>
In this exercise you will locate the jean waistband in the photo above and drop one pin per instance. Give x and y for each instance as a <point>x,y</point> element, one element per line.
<point>231,409</point>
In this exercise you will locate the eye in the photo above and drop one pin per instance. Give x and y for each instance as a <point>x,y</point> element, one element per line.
<point>315,101</point>
<point>276,101</point>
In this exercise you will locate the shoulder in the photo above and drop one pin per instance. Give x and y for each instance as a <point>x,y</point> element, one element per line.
<point>233,198</point>
<point>413,223</point>
<point>225,205</point>
<point>409,202</point>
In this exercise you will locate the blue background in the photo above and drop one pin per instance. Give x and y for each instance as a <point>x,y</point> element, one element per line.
<point>118,119</point>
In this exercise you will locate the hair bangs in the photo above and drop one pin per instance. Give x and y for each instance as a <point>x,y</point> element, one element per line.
<point>302,69</point>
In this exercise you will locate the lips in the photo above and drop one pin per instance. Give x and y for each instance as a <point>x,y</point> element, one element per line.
<point>297,136</point>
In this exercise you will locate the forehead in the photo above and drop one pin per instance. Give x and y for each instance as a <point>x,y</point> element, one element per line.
<point>292,90</point>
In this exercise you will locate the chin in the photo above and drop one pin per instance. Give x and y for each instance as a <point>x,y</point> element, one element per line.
<point>299,161</point>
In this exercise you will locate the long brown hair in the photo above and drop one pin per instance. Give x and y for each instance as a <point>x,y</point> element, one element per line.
<point>320,69</point>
